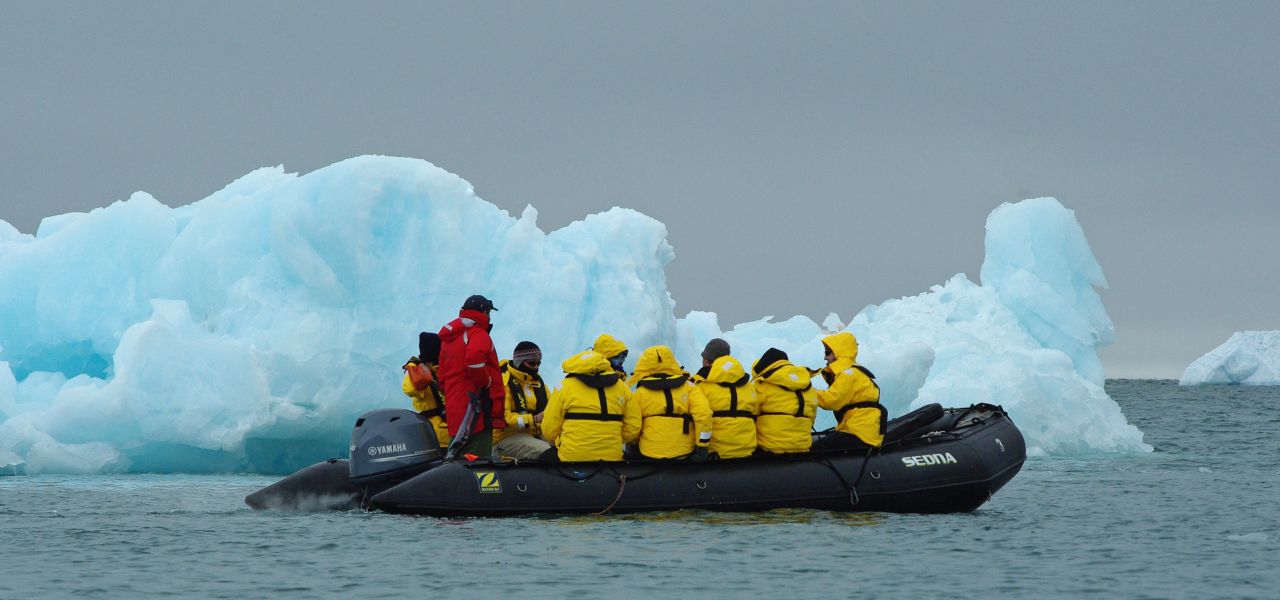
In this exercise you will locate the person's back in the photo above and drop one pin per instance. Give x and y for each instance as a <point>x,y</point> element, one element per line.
<point>734,407</point>
<point>584,417</point>
<point>667,413</point>
<point>852,394</point>
<point>788,404</point>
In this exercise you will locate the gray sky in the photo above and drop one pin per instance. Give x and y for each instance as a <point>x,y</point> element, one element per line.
<point>846,153</point>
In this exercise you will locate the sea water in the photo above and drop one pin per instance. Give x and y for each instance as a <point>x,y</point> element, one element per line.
<point>1197,518</point>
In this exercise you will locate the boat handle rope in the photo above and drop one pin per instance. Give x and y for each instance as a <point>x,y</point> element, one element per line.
<point>851,488</point>
<point>863,469</point>
<point>622,485</point>
<point>853,493</point>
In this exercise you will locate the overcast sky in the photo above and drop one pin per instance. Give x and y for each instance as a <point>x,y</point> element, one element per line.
<point>842,153</point>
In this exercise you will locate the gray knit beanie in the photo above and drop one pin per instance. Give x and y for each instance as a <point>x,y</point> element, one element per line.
<point>715,349</point>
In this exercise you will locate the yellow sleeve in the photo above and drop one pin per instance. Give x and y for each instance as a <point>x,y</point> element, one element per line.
<point>849,387</point>
<point>632,418</point>
<point>838,394</point>
<point>553,418</point>
<point>509,414</point>
<point>700,408</point>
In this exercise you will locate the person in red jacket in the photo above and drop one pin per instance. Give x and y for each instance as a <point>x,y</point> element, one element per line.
<point>469,371</point>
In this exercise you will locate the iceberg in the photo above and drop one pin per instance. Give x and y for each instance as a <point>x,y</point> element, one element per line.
<point>1026,338</point>
<point>1247,358</point>
<point>247,331</point>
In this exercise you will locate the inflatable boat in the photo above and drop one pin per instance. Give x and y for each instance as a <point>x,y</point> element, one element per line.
<point>933,460</point>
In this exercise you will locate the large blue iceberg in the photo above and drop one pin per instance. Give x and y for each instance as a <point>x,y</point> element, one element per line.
<point>246,331</point>
<point>1247,358</point>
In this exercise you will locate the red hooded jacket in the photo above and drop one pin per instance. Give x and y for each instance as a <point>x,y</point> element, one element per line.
<point>468,362</point>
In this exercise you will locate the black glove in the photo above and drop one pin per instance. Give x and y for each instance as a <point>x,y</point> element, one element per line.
<point>700,454</point>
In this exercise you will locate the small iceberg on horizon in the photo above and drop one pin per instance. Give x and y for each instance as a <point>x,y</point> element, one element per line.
<point>1247,358</point>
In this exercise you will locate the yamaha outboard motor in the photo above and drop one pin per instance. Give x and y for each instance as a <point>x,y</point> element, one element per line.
<point>391,440</point>
<point>388,447</point>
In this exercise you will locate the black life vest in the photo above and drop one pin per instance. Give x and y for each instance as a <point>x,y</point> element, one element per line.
<point>517,392</point>
<point>666,384</point>
<point>599,382</point>
<point>733,411</point>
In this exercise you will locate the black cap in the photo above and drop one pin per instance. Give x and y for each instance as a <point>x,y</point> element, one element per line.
<point>429,347</point>
<point>480,303</point>
<point>770,356</point>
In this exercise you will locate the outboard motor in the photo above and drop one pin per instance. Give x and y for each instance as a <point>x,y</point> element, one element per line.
<point>391,440</point>
<point>388,447</point>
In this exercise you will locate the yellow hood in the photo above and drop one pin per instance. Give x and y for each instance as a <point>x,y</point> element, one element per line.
<point>608,346</point>
<point>845,347</point>
<point>656,361</point>
<point>726,369</point>
<point>588,362</point>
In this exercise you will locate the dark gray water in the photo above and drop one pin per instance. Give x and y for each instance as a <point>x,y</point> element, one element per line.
<point>1198,518</point>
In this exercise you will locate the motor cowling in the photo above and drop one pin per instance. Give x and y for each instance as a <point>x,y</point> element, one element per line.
<point>391,439</point>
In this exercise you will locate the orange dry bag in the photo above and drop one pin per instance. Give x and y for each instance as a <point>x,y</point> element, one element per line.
<point>419,375</point>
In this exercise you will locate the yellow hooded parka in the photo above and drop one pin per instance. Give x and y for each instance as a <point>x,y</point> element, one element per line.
<point>662,408</point>
<point>584,417</point>
<point>849,384</point>
<point>788,404</point>
<point>734,407</point>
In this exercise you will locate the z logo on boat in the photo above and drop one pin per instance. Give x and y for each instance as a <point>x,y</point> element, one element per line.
<point>488,482</point>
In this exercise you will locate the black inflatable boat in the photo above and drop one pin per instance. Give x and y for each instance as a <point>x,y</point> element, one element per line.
<point>934,460</point>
